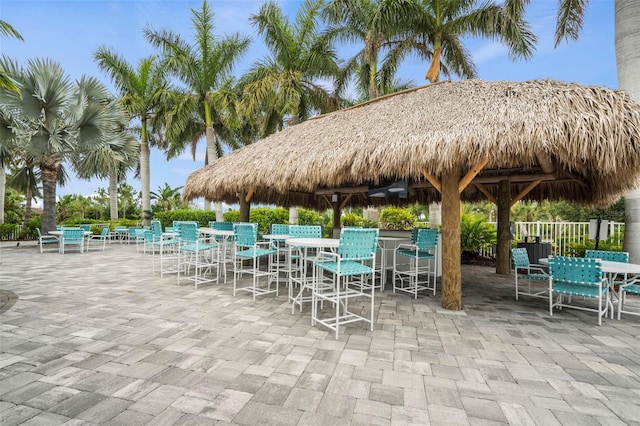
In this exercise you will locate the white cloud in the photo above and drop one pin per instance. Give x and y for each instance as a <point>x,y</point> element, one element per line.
<point>488,52</point>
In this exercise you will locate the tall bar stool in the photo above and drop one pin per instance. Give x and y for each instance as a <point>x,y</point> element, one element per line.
<point>355,258</point>
<point>197,254</point>
<point>415,265</point>
<point>299,259</point>
<point>250,251</point>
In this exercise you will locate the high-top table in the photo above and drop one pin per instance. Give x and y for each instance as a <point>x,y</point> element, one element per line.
<point>225,242</point>
<point>299,276</point>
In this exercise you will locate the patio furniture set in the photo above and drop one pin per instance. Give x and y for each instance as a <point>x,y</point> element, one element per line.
<point>569,282</point>
<point>324,272</point>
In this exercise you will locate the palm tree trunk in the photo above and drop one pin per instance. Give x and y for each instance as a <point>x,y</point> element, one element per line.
<point>145,177</point>
<point>3,186</point>
<point>28,202</point>
<point>212,155</point>
<point>113,195</point>
<point>627,44</point>
<point>49,174</point>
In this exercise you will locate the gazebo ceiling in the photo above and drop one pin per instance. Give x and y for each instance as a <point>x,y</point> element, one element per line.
<point>551,140</point>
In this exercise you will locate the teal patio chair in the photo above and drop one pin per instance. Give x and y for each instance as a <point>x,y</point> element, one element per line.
<point>72,238</point>
<point>415,265</point>
<point>250,251</point>
<point>355,258</point>
<point>194,252</point>
<point>579,277</point>
<point>531,272</point>
<point>100,239</point>
<point>612,256</point>
<point>632,287</point>
<point>47,240</point>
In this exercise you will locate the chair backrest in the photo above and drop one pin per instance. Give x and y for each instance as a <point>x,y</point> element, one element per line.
<point>222,226</point>
<point>426,238</point>
<point>520,257</point>
<point>575,270</point>
<point>358,244</point>
<point>305,231</point>
<point>156,228</point>
<point>85,227</point>
<point>72,235</point>
<point>39,233</point>
<point>245,234</point>
<point>188,231</point>
<point>280,228</point>
<point>613,256</point>
<point>105,231</point>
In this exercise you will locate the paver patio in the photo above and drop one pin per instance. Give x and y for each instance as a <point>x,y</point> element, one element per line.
<point>97,338</point>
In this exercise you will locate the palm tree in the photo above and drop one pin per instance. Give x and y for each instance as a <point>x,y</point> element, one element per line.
<point>8,150</point>
<point>142,91</point>
<point>436,31</point>
<point>373,24</point>
<point>627,45</point>
<point>628,64</point>
<point>56,118</point>
<point>6,82</point>
<point>167,198</point>
<point>203,68</point>
<point>111,161</point>
<point>285,85</point>
<point>26,180</point>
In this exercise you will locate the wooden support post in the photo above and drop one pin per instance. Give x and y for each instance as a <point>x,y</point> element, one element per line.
<point>503,246</point>
<point>336,215</point>
<point>451,268</point>
<point>245,206</point>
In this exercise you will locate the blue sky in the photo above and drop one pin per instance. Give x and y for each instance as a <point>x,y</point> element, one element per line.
<point>70,31</point>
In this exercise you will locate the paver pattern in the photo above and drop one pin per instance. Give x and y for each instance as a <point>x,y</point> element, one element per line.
<point>96,338</point>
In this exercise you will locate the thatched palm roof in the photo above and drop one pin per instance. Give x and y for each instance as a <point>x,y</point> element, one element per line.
<point>582,143</point>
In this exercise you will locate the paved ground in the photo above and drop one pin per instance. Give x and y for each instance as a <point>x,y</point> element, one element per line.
<point>97,338</point>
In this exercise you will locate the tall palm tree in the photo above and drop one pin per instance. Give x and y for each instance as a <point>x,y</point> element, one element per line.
<point>627,45</point>
<point>142,91</point>
<point>628,63</point>
<point>286,85</point>
<point>203,68</point>
<point>111,161</point>
<point>56,118</point>
<point>8,150</point>
<point>299,58</point>
<point>26,180</point>
<point>372,24</point>
<point>436,34</point>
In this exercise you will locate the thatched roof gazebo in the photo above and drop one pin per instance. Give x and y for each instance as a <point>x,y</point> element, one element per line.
<point>451,141</point>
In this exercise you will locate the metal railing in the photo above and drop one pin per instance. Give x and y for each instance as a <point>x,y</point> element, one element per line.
<point>561,234</point>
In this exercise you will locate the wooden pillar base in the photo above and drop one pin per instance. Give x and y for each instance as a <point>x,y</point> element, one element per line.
<point>451,268</point>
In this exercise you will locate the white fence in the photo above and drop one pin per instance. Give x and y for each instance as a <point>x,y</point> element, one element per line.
<point>561,234</point>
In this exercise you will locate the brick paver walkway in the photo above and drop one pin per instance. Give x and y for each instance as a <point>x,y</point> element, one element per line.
<point>97,338</point>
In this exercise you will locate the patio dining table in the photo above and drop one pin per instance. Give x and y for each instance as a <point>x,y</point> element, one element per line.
<point>300,277</point>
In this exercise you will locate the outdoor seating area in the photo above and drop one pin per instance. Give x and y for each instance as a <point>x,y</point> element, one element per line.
<point>152,350</point>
